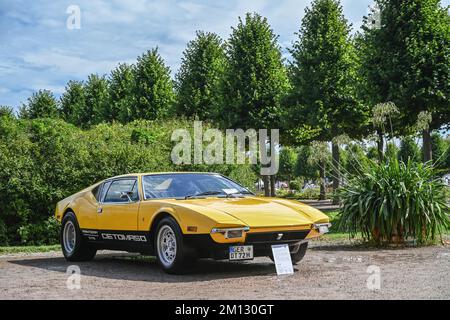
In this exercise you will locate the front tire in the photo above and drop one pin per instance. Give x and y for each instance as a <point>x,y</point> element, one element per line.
<point>74,247</point>
<point>172,254</point>
<point>298,256</point>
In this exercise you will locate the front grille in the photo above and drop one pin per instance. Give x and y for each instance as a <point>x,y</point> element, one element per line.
<point>271,237</point>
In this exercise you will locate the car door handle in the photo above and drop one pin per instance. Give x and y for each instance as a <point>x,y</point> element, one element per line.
<point>99,210</point>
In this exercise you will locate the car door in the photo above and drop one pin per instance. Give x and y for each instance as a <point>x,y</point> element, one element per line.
<point>119,206</point>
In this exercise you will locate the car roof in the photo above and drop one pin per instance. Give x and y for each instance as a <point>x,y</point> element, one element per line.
<point>155,173</point>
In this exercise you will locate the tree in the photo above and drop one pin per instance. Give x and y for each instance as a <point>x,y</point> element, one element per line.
<point>121,85</point>
<point>153,90</point>
<point>409,150</point>
<point>408,62</point>
<point>255,79</point>
<point>446,157</point>
<point>371,86</point>
<point>323,98</point>
<point>354,158</point>
<point>441,151</point>
<point>41,104</point>
<point>320,157</point>
<point>73,103</point>
<point>6,111</point>
<point>303,167</point>
<point>198,81</point>
<point>288,160</point>
<point>96,97</point>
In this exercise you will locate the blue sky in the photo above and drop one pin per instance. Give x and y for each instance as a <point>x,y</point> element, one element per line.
<point>38,51</point>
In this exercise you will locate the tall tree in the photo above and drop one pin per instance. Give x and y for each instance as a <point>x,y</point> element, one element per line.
<point>323,74</point>
<point>41,104</point>
<point>288,160</point>
<point>121,98</point>
<point>153,89</point>
<point>409,150</point>
<point>198,81</point>
<point>320,156</point>
<point>354,158</point>
<point>255,79</point>
<point>441,151</point>
<point>96,97</point>
<point>408,62</point>
<point>303,167</point>
<point>372,89</point>
<point>73,103</point>
<point>6,111</point>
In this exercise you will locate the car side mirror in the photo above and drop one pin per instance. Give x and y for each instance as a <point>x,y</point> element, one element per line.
<point>126,195</point>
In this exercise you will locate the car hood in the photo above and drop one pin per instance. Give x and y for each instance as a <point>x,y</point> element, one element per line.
<point>262,212</point>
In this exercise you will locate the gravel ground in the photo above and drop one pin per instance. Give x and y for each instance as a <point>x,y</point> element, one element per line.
<point>328,271</point>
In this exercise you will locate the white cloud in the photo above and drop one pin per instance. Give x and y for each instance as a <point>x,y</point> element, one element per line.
<point>4,90</point>
<point>59,61</point>
<point>192,8</point>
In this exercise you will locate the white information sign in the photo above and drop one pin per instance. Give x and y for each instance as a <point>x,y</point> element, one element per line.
<point>282,259</point>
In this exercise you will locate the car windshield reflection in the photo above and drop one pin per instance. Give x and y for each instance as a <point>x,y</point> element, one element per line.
<point>190,185</point>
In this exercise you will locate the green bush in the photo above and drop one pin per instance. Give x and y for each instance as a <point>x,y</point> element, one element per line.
<point>46,232</point>
<point>393,201</point>
<point>309,194</point>
<point>294,185</point>
<point>3,234</point>
<point>285,193</point>
<point>45,160</point>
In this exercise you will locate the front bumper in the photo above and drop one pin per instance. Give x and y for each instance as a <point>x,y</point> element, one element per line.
<point>206,247</point>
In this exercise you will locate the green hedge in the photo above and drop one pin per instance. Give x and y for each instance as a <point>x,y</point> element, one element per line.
<point>45,160</point>
<point>307,194</point>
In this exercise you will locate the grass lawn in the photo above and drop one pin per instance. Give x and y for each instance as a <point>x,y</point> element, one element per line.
<point>334,234</point>
<point>29,249</point>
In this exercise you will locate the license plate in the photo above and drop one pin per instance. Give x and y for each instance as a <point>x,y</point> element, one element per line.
<point>323,229</point>
<point>241,253</point>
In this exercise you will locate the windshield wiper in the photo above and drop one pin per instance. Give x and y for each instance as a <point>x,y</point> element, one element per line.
<point>206,193</point>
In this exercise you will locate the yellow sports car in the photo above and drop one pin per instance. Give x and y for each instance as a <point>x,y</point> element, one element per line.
<point>179,217</point>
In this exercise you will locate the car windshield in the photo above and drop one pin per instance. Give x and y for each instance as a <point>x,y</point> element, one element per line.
<point>185,185</point>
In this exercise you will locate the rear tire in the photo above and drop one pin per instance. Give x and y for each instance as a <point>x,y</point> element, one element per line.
<point>74,247</point>
<point>297,256</point>
<point>173,255</point>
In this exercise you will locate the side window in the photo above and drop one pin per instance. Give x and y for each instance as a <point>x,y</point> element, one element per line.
<point>96,191</point>
<point>118,187</point>
<point>103,190</point>
<point>134,191</point>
